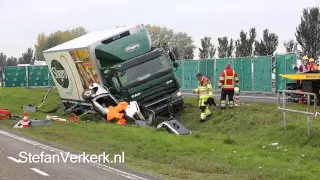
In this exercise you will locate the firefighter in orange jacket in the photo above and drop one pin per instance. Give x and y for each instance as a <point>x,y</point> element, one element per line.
<point>228,81</point>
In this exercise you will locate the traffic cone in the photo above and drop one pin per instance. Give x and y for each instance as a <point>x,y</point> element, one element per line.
<point>25,122</point>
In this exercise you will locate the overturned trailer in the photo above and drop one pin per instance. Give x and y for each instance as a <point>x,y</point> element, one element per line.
<point>123,62</point>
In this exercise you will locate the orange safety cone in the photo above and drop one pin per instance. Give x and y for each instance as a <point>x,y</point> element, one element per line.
<point>74,118</point>
<point>25,122</point>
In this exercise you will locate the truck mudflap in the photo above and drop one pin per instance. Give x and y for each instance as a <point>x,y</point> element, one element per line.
<point>175,127</point>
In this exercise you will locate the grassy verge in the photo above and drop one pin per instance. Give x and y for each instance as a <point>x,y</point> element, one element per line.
<point>232,144</point>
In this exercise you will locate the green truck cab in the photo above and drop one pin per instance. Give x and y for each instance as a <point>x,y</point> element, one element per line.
<point>141,73</point>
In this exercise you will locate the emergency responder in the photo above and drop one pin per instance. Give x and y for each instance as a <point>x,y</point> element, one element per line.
<point>304,67</point>
<point>205,94</point>
<point>228,80</point>
<point>313,66</point>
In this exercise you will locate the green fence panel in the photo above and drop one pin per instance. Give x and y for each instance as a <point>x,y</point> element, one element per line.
<point>191,68</point>
<point>258,73</point>
<point>291,62</point>
<point>280,69</point>
<point>38,76</point>
<point>179,72</point>
<point>203,68</point>
<point>195,65</point>
<point>244,70</point>
<point>210,71</point>
<point>267,74</point>
<point>187,74</point>
<point>238,67</point>
<point>262,74</point>
<point>15,76</point>
<point>220,66</point>
<point>284,65</point>
<point>50,80</point>
<point>1,77</point>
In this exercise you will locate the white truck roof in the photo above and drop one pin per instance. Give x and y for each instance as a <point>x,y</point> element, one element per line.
<point>88,39</point>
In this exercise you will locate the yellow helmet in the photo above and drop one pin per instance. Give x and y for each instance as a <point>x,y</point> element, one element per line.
<point>311,60</point>
<point>305,58</point>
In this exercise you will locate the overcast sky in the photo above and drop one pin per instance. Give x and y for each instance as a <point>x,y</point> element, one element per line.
<point>22,20</point>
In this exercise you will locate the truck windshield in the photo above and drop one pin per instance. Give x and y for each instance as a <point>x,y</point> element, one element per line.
<point>145,70</point>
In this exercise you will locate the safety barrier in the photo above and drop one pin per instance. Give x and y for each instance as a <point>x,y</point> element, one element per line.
<point>308,112</point>
<point>27,76</point>
<point>255,73</point>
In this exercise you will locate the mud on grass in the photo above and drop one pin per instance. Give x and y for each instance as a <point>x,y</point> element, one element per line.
<point>233,144</point>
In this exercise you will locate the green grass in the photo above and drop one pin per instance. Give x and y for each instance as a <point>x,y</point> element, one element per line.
<point>233,144</point>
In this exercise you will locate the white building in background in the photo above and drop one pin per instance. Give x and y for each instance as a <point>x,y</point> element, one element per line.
<point>40,63</point>
<point>23,65</point>
<point>36,63</point>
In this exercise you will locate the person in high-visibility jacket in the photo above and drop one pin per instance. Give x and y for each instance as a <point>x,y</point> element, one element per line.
<point>313,66</point>
<point>305,67</point>
<point>228,81</point>
<point>205,93</point>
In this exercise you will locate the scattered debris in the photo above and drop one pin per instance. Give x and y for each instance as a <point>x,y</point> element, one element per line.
<point>263,146</point>
<point>274,144</point>
<point>302,155</point>
<point>285,150</point>
<point>31,108</point>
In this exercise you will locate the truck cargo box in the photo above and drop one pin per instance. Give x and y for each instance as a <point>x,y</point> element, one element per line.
<point>76,63</point>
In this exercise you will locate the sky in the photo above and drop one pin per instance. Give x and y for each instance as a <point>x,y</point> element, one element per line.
<point>23,20</point>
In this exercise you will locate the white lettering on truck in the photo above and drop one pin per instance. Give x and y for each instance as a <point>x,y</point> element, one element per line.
<point>132,47</point>
<point>59,74</point>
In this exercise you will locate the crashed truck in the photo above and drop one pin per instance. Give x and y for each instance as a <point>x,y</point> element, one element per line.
<point>101,69</point>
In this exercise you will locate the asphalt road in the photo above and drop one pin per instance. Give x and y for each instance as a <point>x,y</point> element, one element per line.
<point>13,167</point>
<point>244,97</point>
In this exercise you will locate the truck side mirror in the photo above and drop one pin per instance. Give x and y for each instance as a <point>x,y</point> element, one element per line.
<point>172,56</point>
<point>175,64</point>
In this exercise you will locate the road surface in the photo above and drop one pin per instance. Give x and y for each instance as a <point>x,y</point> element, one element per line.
<point>13,167</point>
<point>245,97</point>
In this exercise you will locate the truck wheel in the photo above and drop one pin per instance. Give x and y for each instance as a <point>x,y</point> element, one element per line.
<point>87,95</point>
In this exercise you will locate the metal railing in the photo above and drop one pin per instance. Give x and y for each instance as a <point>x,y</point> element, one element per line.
<point>308,112</point>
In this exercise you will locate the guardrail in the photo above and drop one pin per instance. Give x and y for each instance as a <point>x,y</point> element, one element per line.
<point>308,112</point>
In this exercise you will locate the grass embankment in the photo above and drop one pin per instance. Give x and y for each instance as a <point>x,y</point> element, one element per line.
<point>232,144</point>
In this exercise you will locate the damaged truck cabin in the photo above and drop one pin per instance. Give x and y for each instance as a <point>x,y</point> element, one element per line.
<point>121,59</point>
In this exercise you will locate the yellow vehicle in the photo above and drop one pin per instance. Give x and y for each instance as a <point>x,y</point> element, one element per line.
<point>306,82</point>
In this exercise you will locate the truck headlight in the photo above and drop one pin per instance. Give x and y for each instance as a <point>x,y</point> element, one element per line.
<point>176,95</point>
<point>135,95</point>
<point>179,93</point>
<point>170,81</point>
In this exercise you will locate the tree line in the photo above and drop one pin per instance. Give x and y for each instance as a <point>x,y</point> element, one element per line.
<point>44,42</point>
<point>307,37</point>
<point>306,42</point>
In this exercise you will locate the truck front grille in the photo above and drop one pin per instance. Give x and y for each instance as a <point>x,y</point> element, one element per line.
<point>157,96</point>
